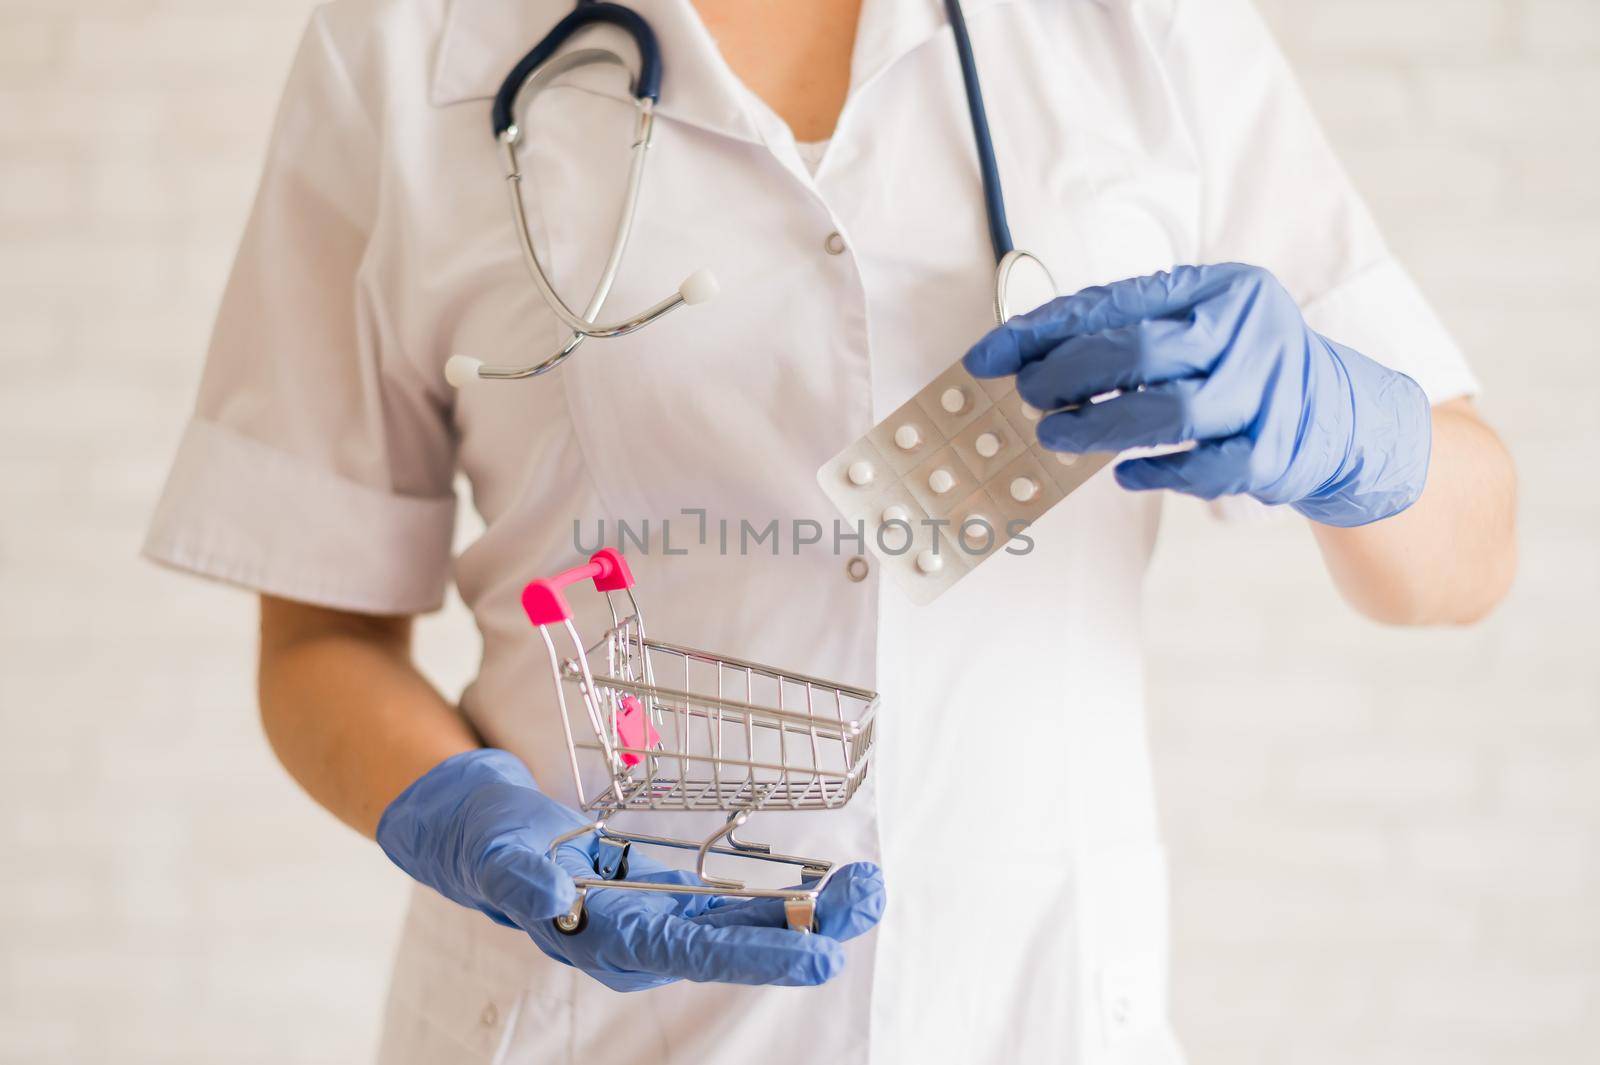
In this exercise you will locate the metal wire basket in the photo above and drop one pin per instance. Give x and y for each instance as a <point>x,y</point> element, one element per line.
<point>675,728</point>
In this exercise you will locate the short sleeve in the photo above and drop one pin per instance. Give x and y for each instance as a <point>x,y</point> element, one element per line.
<point>1273,194</point>
<point>318,465</point>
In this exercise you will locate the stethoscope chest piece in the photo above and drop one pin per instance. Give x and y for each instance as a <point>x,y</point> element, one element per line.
<point>1021,283</point>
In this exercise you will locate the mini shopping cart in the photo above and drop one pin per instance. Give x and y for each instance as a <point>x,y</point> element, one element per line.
<point>673,728</point>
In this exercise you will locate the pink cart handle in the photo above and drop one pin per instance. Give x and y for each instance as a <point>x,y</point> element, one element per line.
<point>543,601</point>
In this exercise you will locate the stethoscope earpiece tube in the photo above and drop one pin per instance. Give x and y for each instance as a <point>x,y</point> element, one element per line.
<point>536,69</point>
<point>532,74</point>
<point>646,87</point>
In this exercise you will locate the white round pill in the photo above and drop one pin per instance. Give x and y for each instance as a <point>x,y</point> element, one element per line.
<point>987,445</point>
<point>1066,458</point>
<point>896,512</point>
<point>941,480</point>
<point>1033,414</point>
<point>977,533</point>
<point>954,401</point>
<point>861,473</point>
<point>907,438</point>
<point>1023,489</point>
<point>928,562</point>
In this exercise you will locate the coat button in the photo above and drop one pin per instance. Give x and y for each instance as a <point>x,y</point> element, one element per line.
<point>857,569</point>
<point>833,243</point>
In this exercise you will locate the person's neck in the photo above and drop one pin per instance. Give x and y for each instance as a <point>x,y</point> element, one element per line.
<point>793,54</point>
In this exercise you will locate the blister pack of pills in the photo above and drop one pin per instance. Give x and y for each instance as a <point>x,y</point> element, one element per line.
<point>949,479</point>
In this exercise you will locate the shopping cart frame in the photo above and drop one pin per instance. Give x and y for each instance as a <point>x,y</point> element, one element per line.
<point>733,785</point>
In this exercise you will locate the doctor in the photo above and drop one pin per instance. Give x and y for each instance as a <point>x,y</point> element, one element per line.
<point>817,155</point>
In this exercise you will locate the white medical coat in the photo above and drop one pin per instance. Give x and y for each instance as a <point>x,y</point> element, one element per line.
<point>1010,801</point>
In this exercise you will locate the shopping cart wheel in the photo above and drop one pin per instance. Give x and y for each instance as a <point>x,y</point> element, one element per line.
<point>574,921</point>
<point>612,861</point>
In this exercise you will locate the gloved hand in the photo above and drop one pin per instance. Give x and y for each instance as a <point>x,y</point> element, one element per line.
<point>635,940</point>
<point>476,828</point>
<point>1222,356</point>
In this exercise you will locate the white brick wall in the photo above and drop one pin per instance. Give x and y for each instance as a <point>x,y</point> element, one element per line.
<point>1387,843</point>
<point>1408,870</point>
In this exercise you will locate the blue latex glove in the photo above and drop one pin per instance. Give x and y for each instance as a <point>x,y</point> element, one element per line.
<point>635,940</point>
<point>476,828</point>
<point>1222,356</point>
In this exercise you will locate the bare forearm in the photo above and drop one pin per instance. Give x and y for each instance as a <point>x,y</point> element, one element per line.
<point>346,712</point>
<point>1450,557</point>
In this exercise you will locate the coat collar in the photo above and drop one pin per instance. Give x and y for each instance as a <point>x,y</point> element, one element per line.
<point>483,39</point>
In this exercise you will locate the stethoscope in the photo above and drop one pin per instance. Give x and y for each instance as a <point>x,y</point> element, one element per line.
<point>1021,280</point>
